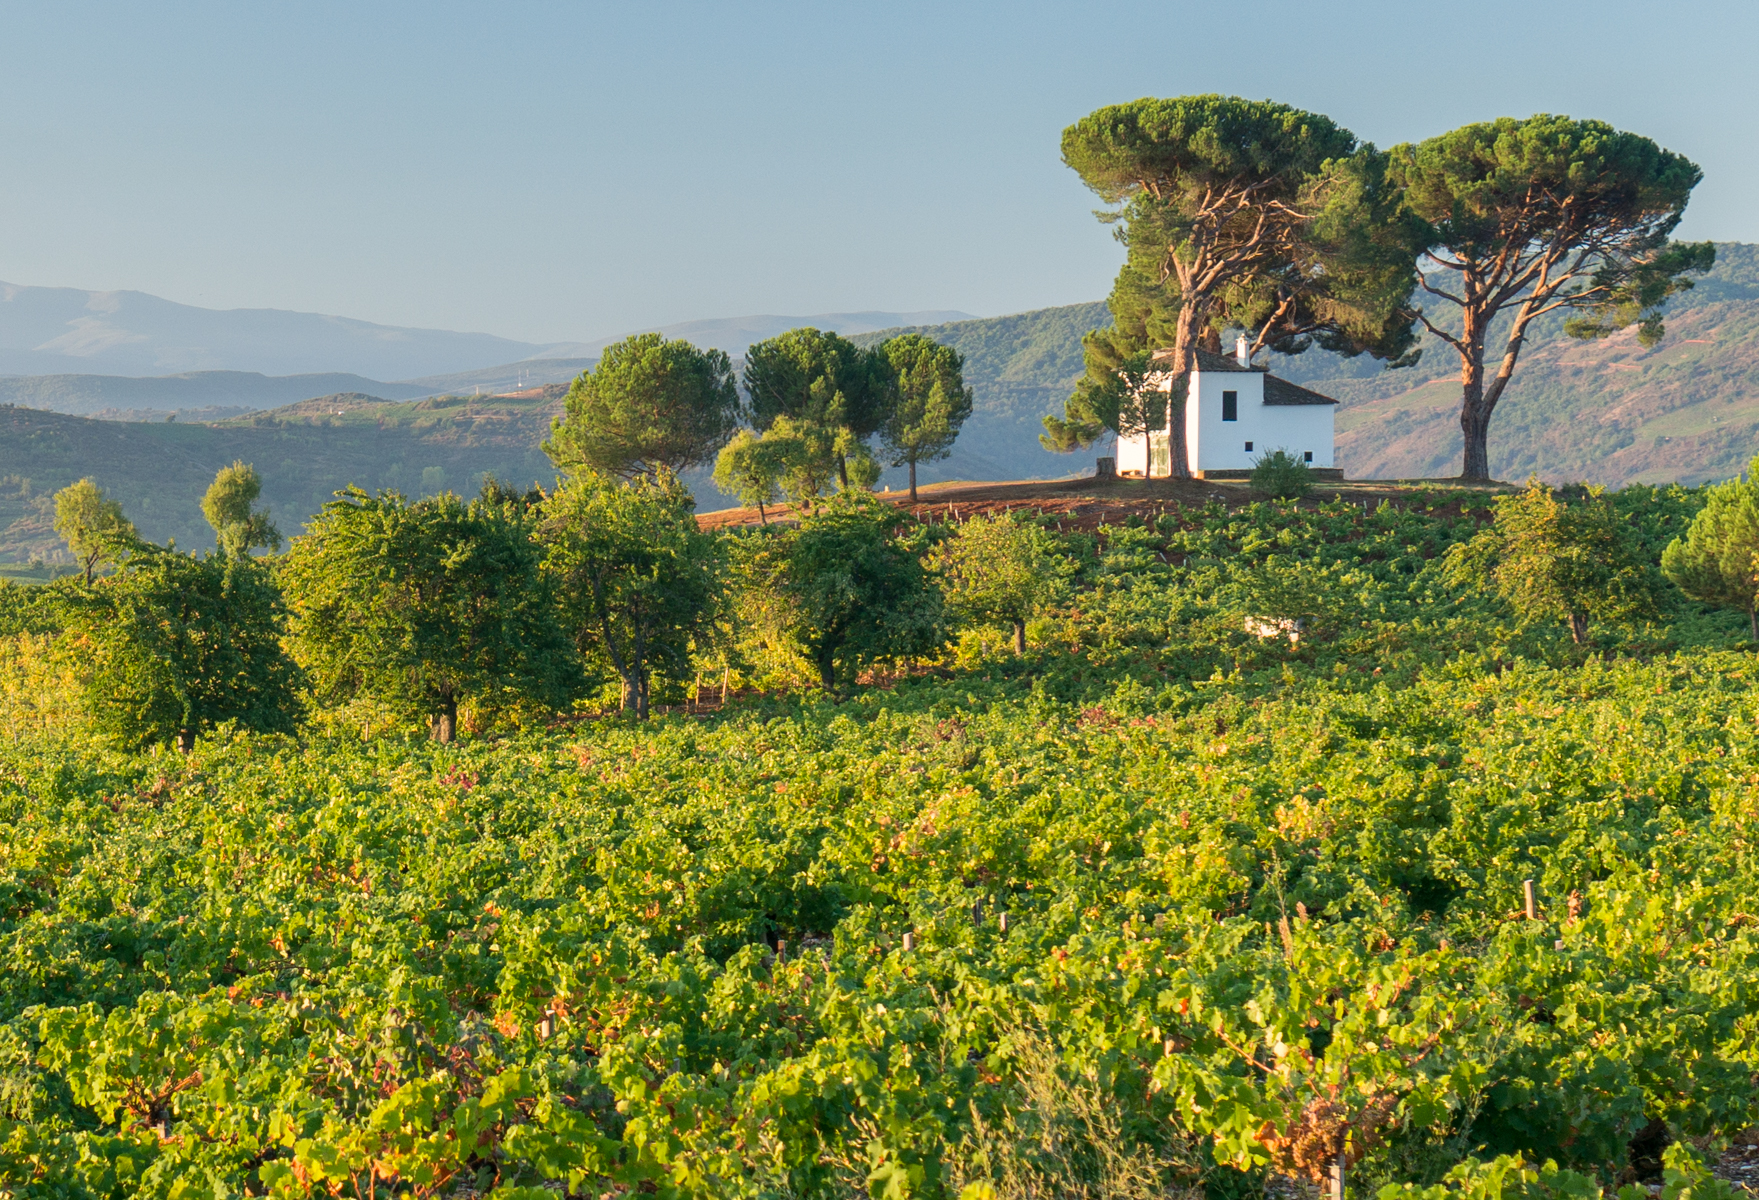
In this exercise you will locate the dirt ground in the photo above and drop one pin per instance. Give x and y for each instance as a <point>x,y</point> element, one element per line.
<point>1087,503</point>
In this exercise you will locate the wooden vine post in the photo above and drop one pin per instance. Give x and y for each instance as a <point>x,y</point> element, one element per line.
<point>1527,894</point>
<point>1335,1184</point>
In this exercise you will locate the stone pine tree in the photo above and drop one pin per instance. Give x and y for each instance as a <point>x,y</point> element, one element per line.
<point>176,644</point>
<point>93,526</point>
<point>229,507</point>
<point>421,607</point>
<point>651,405</point>
<point>1219,203</point>
<point>1525,217</point>
<point>929,402</point>
<point>635,579</point>
<point>1717,561</point>
<point>836,393</point>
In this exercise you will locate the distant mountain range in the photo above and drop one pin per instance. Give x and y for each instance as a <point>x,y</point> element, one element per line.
<point>116,353</point>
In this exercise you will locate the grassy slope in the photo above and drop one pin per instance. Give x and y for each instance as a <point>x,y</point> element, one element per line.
<point>304,452</point>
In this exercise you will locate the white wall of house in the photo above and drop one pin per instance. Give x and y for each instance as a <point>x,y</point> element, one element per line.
<point>1259,428</point>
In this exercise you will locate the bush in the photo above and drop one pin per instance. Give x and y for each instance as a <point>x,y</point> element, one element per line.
<point>1279,475</point>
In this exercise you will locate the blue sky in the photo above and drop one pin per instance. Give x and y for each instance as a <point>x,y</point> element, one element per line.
<point>551,172</point>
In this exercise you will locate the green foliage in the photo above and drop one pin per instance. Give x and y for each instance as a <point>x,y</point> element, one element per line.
<point>1544,214</point>
<point>1001,568</point>
<point>650,405</point>
<point>929,404</point>
<point>93,526</point>
<point>835,394</point>
<point>1263,905</point>
<point>1553,560</point>
<point>1279,475</point>
<point>417,607</point>
<point>1717,561</point>
<point>635,578</point>
<point>751,468</point>
<point>228,506</point>
<point>846,589</point>
<point>176,645</point>
<point>1124,398</point>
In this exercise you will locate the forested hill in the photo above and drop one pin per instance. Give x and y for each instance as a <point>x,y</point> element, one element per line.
<point>1606,412</point>
<point>304,452</point>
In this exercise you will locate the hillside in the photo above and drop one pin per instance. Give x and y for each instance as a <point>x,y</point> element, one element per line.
<point>304,452</point>
<point>1606,412</point>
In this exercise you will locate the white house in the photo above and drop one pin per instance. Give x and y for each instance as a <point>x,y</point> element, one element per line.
<point>1235,412</point>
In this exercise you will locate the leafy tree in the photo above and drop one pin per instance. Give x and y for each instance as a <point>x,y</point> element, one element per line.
<point>809,453</point>
<point>1125,400</point>
<point>651,405</point>
<point>1218,199</point>
<point>421,606</point>
<point>847,589</point>
<point>816,378</point>
<point>636,579</point>
<point>1002,568</point>
<point>1718,559</point>
<point>179,644</point>
<point>930,401</point>
<point>1537,215</point>
<point>227,506</point>
<point>751,468</point>
<point>93,526</point>
<point>1552,560</point>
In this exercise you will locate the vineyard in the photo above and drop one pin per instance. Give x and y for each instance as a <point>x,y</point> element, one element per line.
<point>1278,850</point>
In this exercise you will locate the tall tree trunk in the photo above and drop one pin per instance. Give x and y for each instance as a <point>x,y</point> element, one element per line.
<point>1020,638</point>
<point>913,481</point>
<point>445,723</point>
<point>1753,622</point>
<point>827,669</point>
<point>762,518</point>
<point>186,740</point>
<point>1474,411</point>
<point>1578,628</point>
<point>1186,330</point>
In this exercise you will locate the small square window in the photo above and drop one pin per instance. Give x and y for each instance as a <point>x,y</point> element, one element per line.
<point>1231,407</point>
<point>1308,456</point>
<point>1248,447</point>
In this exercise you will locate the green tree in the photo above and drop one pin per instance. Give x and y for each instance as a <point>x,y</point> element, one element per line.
<point>1552,560</point>
<point>421,606</point>
<point>650,405</point>
<point>1002,568</point>
<point>1718,559</point>
<point>179,644</point>
<point>847,590</point>
<point>227,506</point>
<point>752,467</point>
<point>1533,216</point>
<point>1125,400</point>
<point>93,526</point>
<point>636,579</point>
<point>1217,199</point>
<point>930,401</point>
<point>819,379</point>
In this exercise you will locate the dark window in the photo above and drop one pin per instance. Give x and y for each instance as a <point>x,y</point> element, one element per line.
<point>1231,407</point>
<point>1248,447</point>
<point>1308,456</point>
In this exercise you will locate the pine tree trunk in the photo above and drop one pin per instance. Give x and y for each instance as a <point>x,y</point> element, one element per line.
<point>1185,335</point>
<point>1753,622</point>
<point>913,481</point>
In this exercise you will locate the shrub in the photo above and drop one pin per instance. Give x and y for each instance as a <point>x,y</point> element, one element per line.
<point>1279,475</point>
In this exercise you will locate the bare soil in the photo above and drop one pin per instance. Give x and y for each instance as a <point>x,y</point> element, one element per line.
<point>1088,503</point>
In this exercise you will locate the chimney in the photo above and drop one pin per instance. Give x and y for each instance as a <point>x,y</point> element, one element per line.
<point>1242,354</point>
